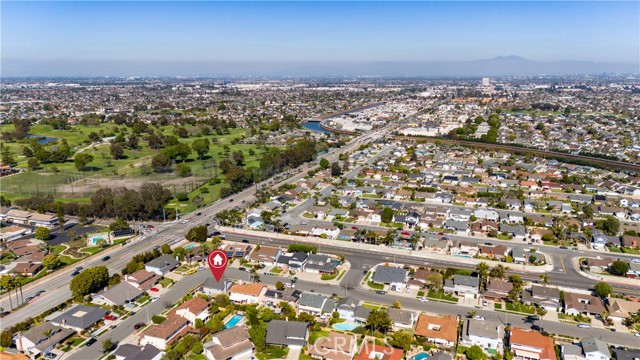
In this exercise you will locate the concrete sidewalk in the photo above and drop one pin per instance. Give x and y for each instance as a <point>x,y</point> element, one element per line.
<point>387,251</point>
<point>609,279</point>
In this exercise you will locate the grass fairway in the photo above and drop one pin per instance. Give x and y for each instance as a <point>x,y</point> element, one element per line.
<point>66,183</point>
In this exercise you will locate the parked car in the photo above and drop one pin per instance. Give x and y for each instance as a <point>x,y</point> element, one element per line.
<point>485,303</point>
<point>423,299</point>
<point>154,289</point>
<point>192,271</point>
<point>564,247</point>
<point>74,273</point>
<point>138,326</point>
<point>381,292</point>
<point>50,355</point>
<point>110,317</point>
<point>245,241</point>
<point>242,268</point>
<point>584,326</point>
<point>536,328</point>
<point>155,298</point>
<point>79,268</point>
<point>91,341</point>
<point>365,272</point>
<point>533,317</point>
<point>478,317</point>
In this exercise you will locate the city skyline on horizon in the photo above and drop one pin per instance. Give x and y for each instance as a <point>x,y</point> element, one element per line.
<point>218,38</point>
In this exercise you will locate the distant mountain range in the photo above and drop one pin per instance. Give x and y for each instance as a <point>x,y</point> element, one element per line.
<point>499,66</point>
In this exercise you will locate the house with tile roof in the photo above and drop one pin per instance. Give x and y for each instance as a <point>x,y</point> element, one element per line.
<point>247,293</point>
<point>194,308</point>
<point>531,345</point>
<point>442,331</point>
<point>334,346</point>
<point>166,333</point>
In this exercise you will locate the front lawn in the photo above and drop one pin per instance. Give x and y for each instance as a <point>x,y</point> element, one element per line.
<point>276,270</point>
<point>143,299</point>
<point>517,308</point>
<point>273,352</point>
<point>441,296</point>
<point>165,282</point>
<point>91,250</point>
<point>375,286</point>
<point>327,277</point>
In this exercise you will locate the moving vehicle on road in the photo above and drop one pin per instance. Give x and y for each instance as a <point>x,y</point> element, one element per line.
<point>381,292</point>
<point>536,328</point>
<point>138,326</point>
<point>106,258</point>
<point>423,299</point>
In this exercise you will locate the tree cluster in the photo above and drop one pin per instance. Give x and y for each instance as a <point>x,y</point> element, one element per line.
<point>88,281</point>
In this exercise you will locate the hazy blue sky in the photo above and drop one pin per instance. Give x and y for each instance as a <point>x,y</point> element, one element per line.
<point>338,32</point>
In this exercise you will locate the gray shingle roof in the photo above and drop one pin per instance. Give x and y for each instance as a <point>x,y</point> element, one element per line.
<point>388,274</point>
<point>121,293</point>
<point>80,316</point>
<point>312,300</point>
<point>288,333</point>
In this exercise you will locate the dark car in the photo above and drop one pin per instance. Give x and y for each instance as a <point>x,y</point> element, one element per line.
<point>40,292</point>
<point>381,292</point>
<point>230,200</point>
<point>198,213</point>
<point>76,272</point>
<point>563,247</point>
<point>536,328</point>
<point>533,317</point>
<point>242,268</point>
<point>138,326</point>
<point>365,272</point>
<point>488,243</point>
<point>79,268</point>
<point>91,341</point>
<point>106,258</point>
<point>245,241</point>
<point>4,313</point>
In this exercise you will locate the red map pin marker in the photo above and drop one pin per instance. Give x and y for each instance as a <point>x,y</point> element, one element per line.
<point>217,263</point>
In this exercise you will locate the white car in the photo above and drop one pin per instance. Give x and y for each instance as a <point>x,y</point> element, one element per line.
<point>584,326</point>
<point>478,317</point>
<point>155,298</point>
<point>184,221</point>
<point>636,334</point>
<point>423,299</point>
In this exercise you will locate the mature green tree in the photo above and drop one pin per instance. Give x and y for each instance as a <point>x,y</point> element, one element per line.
<point>335,169</point>
<point>258,336</point>
<point>117,151</point>
<point>118,224</point>
<point>166,249</point>
<point>402,339</point>
<point>475,353</point>
<point>197,233</point>
<point>387,215</point>
<point>33,164</point>
<point>619,267</point>
<point>51,262</point>
<point>7,156</point>
<point>324,163</point>
<point>279,285</point>
<point>183,170</point>
<point>201,147</point>
<point>378,320</point>
<point>160,162</point>
<point>82,160</point>
<point>42,233</point>
<point>88,281</point>
<point>238,158</point>
<point>6,339</point>
<point>178,152</point>
<point>517,283</point>
<point>587,210</point>
<point>603,289</point>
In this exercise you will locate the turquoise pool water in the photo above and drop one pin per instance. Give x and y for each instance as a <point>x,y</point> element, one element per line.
<point>190,246</point>
<point>345,326</point>
<point>420,356</point>
<point>233,321</point>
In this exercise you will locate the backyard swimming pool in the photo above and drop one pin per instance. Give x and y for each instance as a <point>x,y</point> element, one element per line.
<point>420,356</point>
<point>345,326</point>
<point>233,321</point>
<point>190,246</point>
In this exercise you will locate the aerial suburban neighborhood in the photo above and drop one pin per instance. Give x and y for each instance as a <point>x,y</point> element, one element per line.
<point>396,238</point>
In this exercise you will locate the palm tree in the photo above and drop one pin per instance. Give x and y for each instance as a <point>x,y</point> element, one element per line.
<point>6,282</point>
<point>483,271</point>
<point>544,278</point>
<point>47,333</point>
<point>497,272</point>
<point>471,314</point>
